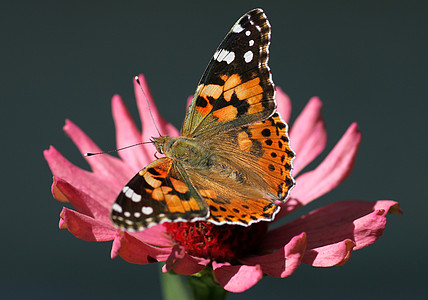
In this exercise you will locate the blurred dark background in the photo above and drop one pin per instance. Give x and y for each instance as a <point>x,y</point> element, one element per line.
<point>367,60</point>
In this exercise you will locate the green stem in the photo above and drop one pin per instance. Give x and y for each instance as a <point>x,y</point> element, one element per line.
<point>202,286</point>
<point>174,287</point>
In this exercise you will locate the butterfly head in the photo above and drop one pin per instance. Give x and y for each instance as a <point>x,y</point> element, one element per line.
<point>162,143</point>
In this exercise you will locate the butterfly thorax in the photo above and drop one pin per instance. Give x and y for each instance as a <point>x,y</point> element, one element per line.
<point>192,154</point>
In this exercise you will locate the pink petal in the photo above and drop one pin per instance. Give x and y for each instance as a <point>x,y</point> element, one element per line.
<point>57,194</point>
<point>81,201</point>
<point>128,134</point>
<point>330,255</point>
<point>308,136</point>
<point>284,262</point>
<point>85,227</point>
<point>237,279</point>
<point>149,129</point>
<point>284,104</point>
<point>155,236</point>
<point>182,263</point>
<point>331,228</point>
<point>390,206</point>
<point>109,169</point>
<point>80,179</point>
<point>370,227</point>
<point>329,174</point>
<point>136,252</point>
<point>115,248</point>
<point>189,100</point>
<point>329,224</point>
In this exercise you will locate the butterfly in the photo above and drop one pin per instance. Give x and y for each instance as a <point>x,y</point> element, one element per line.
<point>233,160</point>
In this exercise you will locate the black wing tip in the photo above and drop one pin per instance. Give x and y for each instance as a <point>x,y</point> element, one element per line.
<point>254,14</point>
<point>255,11</point>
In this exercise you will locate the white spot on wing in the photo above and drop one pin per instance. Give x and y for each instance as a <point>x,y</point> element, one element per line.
<point>237,28</point>
<point>127,214</point>
<point>117,207</point>
<point>225,55</point>
<point>248,56</point>
<point>221,55</point>
<point>136,197</point>
<point>247,33</point>
<point>230,57</point>
<point>129,193</point>
<point>216,54</point>
<point>147,210</point>
<point>251,42</point>
<point>137,214</point>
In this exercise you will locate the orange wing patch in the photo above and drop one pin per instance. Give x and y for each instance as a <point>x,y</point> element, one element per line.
<point>179,186</point>
<point>242,211</point>
<point>231,81</point>
<point>276,155</point>
<point>244,141</point>
<point>213,91</point>
<point>249,91</point>
<point>226,114</point>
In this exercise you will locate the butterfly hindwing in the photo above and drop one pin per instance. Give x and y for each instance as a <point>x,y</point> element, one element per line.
<point>234,203</point>
<point>270,144</point>
<point>158,193</point>
<point>236,88</point>
<point>250,169</point>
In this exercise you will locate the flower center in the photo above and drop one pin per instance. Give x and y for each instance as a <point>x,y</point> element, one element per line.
<point>220,243</point>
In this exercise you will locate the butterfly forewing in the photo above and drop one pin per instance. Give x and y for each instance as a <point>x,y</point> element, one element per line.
<point>158,193</point>
<point>236,88</point>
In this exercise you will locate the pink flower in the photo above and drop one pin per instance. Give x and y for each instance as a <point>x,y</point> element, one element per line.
<point>325,237</point>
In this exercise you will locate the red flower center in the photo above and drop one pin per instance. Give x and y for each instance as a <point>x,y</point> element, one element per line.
<point>220,243</point>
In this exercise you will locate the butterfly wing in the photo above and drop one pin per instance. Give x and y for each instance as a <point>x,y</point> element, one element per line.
<point>236,89</point>
<point>160,192</point>
<point>265,147</point>
<point>241,206</point>
<point>250,170</point>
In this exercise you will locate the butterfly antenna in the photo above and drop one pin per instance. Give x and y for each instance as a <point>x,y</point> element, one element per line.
<point>116,150</point>
<point>147,101</point>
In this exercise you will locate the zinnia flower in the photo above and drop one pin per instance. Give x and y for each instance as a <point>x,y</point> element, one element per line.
<point>238,256</point>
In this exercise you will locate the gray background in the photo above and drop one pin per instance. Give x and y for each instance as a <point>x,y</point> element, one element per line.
<point>366,60</point>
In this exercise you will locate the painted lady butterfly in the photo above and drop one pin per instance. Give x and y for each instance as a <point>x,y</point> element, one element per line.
<point>233,159</point>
